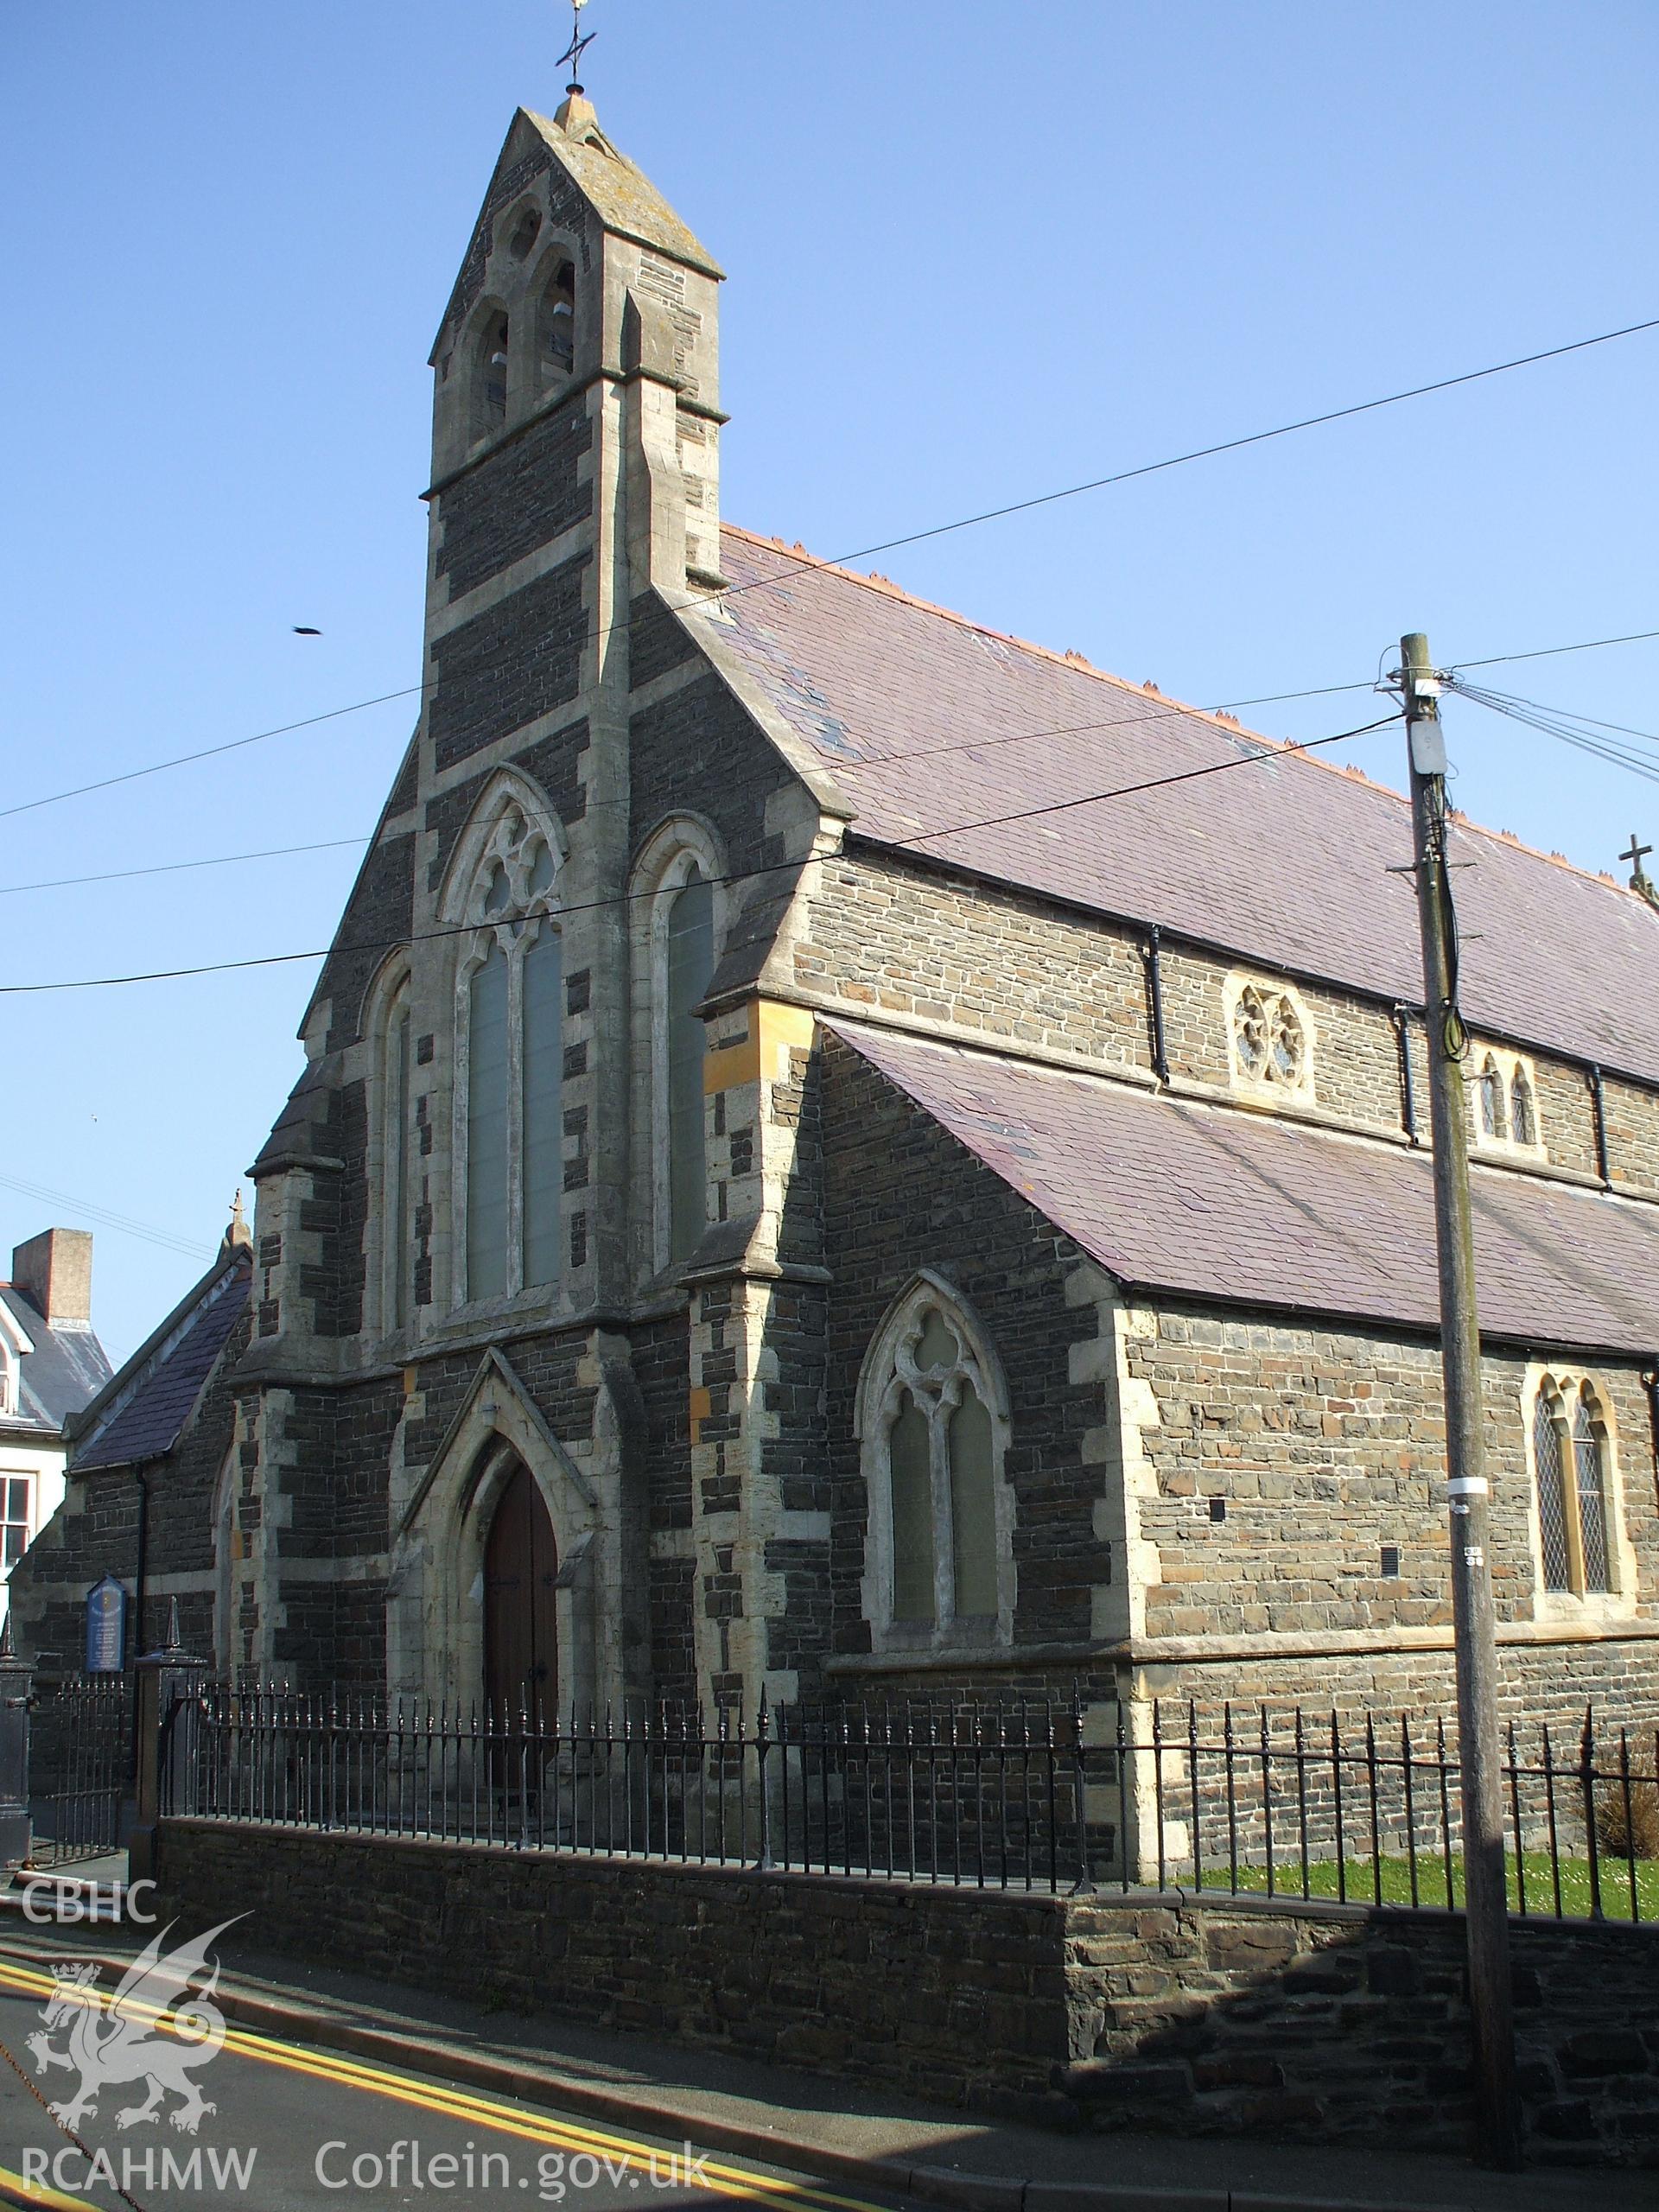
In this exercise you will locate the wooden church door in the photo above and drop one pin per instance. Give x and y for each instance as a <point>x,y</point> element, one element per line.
<point>521,1566</point>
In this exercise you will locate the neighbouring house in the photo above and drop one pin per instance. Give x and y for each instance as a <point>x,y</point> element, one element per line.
<point>51,1364</point>
<point>137,1500</point>
<point>829,1162</point>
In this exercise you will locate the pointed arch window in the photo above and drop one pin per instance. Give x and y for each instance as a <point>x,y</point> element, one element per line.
<point>1493,1115</point>
<point>676,917</point>
<point>1571,1472</point>
<point>1523,1118</point>
<point>397,1171</point>
<point>556,325</point>
<point>510,1058</point>
<point>491,377</point>
<point>933,1423</point>
<point>690,969</point>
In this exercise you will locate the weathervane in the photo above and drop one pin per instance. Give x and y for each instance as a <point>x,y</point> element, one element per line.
<point>578,45</point>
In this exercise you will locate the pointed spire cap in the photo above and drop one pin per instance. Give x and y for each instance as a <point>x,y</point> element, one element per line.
<point>575,114</point>
<point>238,1235</point>
<point>8,1649</point>
<point>174,1638</point>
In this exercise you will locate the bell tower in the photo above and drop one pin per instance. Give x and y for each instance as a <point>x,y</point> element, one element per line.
<point>575,484</point>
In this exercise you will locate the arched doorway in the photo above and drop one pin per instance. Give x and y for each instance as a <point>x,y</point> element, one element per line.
<point>521,1566</point>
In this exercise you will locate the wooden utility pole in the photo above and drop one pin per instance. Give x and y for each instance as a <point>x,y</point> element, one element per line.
<point>1474,1622</point>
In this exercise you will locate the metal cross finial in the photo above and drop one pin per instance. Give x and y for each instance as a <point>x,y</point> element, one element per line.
<point>578,45</point>
<point>1635,853</point>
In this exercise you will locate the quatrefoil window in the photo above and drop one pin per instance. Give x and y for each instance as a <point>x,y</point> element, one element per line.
<point>1270,1042</point>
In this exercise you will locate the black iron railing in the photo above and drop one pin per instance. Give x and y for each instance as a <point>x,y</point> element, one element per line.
<point>1369,1810</point>
<point>990,1797</point>
<point>80,1767</point>
<point>1022,1794</point>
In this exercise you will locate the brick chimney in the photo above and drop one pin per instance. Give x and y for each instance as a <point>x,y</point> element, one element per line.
<point>54,1270</point>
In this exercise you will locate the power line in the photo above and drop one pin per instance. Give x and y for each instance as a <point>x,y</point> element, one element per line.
<point>207,752</point>
<point>1493,660</point>
<point>173,868</point>
<point>104,1219</point>
<point>1158,783</point>
<point>1556,722</point>
<point>944,530</point>
<point>1160,713</point>
<point>1253,758</point>
<point>1236,445</point>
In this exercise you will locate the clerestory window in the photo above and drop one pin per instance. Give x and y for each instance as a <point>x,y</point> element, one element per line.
<point>1503,1101</point>
<point>1271,1038</point>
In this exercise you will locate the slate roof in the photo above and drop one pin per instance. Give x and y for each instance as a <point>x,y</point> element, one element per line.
<point>1285,861</point>
<point>65,1371</point>
<point>1237,1209</point>
<point>160,1385</point>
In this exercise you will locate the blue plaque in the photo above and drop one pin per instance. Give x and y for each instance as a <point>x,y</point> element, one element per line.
<point>106,1627</point>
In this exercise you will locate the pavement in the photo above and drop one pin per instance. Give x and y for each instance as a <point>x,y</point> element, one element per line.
<point>788,2130</point>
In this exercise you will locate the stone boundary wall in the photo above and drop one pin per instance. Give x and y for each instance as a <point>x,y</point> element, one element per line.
<point>1232,2016</point>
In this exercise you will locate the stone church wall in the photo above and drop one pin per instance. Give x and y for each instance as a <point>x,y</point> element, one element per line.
<point>519,496</point>
<point>899,1195</point>
<point>876,934</point>
<point>1321,1444</point>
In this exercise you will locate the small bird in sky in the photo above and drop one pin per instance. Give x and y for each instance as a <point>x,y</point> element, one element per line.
<point>304,630</point>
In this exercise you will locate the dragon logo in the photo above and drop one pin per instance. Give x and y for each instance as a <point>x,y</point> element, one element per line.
<point>119,2040</point>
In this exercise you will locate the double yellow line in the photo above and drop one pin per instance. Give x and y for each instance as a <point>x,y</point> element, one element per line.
<point>451,2103</point>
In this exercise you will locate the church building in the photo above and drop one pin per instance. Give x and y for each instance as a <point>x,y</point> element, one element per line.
<point>831,1163</point>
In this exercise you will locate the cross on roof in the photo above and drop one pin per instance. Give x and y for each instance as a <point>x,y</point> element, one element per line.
<point>1640,881</point>
<point>578,45</point>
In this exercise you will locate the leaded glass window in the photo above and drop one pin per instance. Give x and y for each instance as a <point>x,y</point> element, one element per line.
<point>1572,1469</point>
<point>1550,1474</point>
<point>1593,1501</point>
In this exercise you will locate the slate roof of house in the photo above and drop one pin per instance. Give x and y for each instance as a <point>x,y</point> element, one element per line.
<point>65,1371</point>
<point>148,1403</point>
<point>1246,1209</point>
<point>1285,861</point>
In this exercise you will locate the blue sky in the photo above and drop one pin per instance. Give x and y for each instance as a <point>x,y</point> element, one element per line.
<point>975,252</point>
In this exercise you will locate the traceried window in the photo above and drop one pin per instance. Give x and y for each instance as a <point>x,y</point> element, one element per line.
<point>1270,1041</point>
<point>1571,1472</point>
<point>933,1423</point>
<point>510,1061</point>
<point>690,966</point>
<point>556,325</point>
